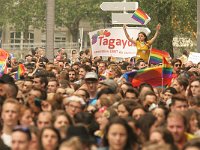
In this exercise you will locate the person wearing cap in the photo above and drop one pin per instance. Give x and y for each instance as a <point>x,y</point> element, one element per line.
<point>109,83</point>
<point>73,105</point>
<point>91,81</point>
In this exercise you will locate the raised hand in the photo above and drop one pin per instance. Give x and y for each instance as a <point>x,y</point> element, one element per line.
<point>158,27</point>
<point>124,26</point>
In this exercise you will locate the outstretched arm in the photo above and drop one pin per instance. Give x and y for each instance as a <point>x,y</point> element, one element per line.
<point>156,34</point>
<point>127,35</point>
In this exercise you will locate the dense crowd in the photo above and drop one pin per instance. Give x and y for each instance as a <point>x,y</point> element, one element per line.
<point>83,103</point>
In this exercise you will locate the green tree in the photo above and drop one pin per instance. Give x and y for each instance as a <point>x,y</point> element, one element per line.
<point>178,18</point>
<point>25,13</point>
<point>185,17</point>
<point>69,13</point>
<point>3,12</point>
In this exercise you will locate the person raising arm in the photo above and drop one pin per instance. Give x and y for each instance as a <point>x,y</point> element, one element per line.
<point>142,43</point>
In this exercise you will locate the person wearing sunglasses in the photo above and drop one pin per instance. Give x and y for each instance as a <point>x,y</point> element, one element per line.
<point>176,64</point>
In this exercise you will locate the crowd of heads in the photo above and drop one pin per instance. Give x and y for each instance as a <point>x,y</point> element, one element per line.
<point>80,103</point>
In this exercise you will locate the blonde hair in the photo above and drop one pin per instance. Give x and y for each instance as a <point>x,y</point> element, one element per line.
<point>155,145</point>
<point>116,69</point>
<point>74,143</point>
<point>12,101</point>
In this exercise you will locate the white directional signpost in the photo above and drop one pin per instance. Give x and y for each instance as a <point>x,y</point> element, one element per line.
<point>119,6</point>
<point>112,41</point>
<point>122,18</point>
<point>125,18</point>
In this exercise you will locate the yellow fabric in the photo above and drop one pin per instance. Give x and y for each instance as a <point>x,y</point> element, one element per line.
<point>189,136</point>
<point>99,133</point>
<point>142,50</point>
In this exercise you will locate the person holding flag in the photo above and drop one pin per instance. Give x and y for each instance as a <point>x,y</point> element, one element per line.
<point>142,43</point>
<point>155,76</point>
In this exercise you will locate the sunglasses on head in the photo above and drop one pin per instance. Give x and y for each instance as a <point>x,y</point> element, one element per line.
<point>21,128</point>
<point>26,130</point>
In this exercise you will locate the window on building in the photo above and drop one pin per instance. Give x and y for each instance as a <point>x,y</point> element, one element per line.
<point>60,40</point>
<point>17,40</point>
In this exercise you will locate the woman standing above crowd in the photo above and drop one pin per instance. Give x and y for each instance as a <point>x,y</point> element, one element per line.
<point>142,43</point>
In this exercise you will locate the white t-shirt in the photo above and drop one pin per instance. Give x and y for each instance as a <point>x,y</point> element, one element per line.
<point>7,139</point>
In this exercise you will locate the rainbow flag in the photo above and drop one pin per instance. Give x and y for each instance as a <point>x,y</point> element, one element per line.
<point>107,75</point>
<point>156,56</point>
<point>2,67</point>
<point>140,16</point>
<point>3,58</point>
<point>3,55</point>
<point>155,76</point>
<point>20,72</point>
<point>166,71</point>
<point>152,76</point>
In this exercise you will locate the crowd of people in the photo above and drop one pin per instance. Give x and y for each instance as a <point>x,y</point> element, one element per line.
<point>83,103</point>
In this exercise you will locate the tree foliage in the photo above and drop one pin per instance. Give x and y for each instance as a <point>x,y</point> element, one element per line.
<point>4,12</point>
<point>178,18</point>
<point>69,13</point>
<point>185,17</point>
<point>22,14</point>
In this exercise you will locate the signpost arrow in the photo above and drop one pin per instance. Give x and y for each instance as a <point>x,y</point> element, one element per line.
<point>119,6</point>
<point>125,18</point>
<point>146,30</point>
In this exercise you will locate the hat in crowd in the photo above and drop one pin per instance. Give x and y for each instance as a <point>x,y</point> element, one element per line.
<point>91,75</point>
<point>81,132</point>
<point>110,83</point>
<point>170,90</point>
<point>75,99</point>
